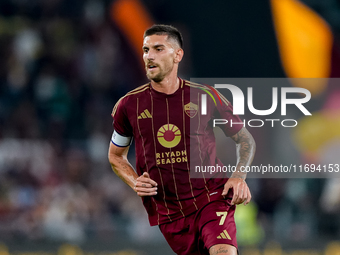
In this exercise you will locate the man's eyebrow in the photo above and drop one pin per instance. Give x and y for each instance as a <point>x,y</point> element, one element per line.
<point>158,45</point>
<point>154,46</point>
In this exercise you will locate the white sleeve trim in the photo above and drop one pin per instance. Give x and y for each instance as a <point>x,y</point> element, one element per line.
<point>119,140</point>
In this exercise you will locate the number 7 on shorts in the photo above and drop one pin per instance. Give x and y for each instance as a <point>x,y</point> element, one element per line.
<point>224,215</point>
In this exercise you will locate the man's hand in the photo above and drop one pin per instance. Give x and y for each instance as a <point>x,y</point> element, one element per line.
<point>145,186</point>
<point>241,191</point>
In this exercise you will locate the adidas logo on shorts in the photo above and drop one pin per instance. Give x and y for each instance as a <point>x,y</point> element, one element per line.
<point>224,235</point>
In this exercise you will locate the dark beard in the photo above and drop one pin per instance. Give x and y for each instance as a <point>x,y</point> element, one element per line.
<point>157,78</point>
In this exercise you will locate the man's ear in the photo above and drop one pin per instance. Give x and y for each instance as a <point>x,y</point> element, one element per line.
<point>179,55</point>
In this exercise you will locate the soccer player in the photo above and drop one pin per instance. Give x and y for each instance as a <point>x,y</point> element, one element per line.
<point>195,215</point>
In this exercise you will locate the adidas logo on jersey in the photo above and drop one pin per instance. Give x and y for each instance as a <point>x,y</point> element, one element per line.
<point>224,235</point>
<point>145,115</point>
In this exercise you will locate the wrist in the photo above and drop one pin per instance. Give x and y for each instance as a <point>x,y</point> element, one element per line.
<point>239,175</point>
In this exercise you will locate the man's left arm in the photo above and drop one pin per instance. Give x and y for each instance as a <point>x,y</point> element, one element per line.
<point>245,149</point>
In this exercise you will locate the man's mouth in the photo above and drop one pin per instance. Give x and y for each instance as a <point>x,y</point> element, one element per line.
<point>151,66</point>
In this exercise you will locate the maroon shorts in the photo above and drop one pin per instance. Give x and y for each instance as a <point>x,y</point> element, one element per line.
<point>196,233</point>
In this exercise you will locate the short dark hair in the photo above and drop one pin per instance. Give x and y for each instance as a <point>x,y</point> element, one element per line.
<point>170,31</point>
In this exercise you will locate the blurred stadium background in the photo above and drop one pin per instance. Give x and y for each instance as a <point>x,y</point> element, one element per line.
<point>64,64</point>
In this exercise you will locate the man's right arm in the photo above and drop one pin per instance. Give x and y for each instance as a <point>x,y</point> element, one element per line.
<point>143,185</point>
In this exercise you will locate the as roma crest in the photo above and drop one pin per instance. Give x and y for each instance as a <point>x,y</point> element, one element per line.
<point>191,109</point>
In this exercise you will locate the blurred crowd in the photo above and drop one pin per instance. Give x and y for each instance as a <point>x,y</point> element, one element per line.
<point>62,68</point>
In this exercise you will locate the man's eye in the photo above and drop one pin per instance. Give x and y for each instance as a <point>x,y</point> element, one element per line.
<point>145,50</point>
<point>159,49</point>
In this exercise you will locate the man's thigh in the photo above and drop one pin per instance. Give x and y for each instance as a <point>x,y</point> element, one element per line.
<point>181,235</point>
<point>195,234</point>
<point>217,224</point>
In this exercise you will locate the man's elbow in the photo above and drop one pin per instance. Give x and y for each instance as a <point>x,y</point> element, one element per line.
<point>250,141</point>
<point>246,138</point>
<point>111,156</point>
<point>253,144</point>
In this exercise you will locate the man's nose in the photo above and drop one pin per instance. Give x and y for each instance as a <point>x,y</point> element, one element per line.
<point>150,55</point>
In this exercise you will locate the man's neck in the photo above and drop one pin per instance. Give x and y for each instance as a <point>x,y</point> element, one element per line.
<point>168,85</point>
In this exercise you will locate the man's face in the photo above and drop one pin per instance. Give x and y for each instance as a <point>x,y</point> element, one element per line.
<point>159,56</point>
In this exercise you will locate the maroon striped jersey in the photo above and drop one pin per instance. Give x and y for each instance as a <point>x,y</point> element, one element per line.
<point>171,137</point>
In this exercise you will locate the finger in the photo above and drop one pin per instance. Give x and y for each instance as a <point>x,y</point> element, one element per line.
<point>238,200</point>
<point>143,184</point>
<point>146,178</point>
<point>145,175</point>
<point>244,198</point>
<point>226,189</point>
<point>243,193</point>
<point>235,196</point>
<point>152,182</point>
<point>146,191</point>
<point>241,200</point>
<point>248,198</point>
<point>233,201</point>
<point>240,193</point>
<point>146,194</point>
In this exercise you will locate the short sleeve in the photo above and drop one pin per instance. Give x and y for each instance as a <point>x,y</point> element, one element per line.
<point>224,110</point>
<point>121,123</point>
